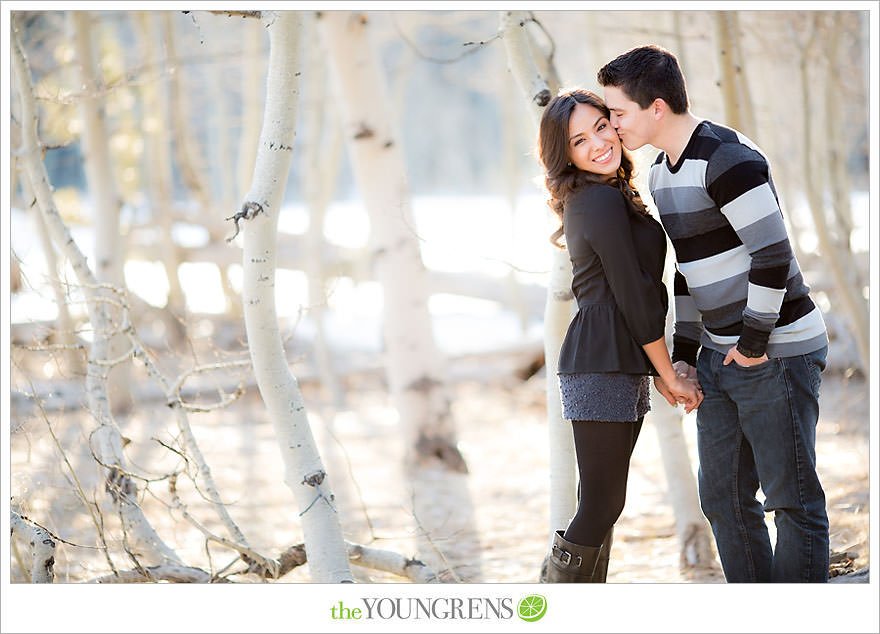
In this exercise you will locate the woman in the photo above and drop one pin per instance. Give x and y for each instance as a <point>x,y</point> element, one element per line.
<point>616,340</point>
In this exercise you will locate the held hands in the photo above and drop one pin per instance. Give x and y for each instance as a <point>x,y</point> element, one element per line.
<point>681,388</point>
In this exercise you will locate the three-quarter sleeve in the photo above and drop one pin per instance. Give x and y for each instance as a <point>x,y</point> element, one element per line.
<point>604,219</point>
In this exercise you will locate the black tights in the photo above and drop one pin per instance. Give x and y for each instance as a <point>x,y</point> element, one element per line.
<point>603,453</point>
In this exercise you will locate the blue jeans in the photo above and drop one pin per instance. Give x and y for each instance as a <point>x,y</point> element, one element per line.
<point>756,427</point>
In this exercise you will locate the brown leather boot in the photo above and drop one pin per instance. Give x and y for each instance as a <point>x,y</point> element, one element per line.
<point>601,570</point>
<point>571,563</point>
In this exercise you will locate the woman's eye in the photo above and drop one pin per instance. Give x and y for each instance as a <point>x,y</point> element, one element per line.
<point>602,126</point>
<point>578,142</point>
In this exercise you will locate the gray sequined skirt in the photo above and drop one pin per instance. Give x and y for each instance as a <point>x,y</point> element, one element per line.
<point>605,397</point>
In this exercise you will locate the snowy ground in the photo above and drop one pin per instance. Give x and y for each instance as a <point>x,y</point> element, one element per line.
<point>487,526</point>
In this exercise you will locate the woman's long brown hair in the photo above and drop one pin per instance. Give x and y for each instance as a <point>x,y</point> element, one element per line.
<point>562,178</point>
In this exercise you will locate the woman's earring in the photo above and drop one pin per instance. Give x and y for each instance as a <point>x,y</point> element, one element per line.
<point>569,163</point>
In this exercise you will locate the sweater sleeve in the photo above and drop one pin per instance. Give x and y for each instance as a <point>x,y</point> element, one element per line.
<point>606,226</point>
<point>688,323</point>
<point>738,180</point>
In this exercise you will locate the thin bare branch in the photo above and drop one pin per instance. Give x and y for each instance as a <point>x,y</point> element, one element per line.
<point>474,47</point>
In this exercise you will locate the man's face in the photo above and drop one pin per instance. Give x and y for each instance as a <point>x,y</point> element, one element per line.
<point>634,126</point>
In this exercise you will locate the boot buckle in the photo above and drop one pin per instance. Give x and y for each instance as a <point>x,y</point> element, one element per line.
<point>565,556</point>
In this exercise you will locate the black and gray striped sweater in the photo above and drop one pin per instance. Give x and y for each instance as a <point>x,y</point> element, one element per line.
<point>737,279</point>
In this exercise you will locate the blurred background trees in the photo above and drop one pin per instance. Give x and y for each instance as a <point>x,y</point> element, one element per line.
<point>149,126</point>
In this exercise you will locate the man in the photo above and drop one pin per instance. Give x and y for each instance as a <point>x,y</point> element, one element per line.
<point>742,304</point>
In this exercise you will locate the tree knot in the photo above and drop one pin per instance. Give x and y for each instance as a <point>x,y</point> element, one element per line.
<point>543,97</point>
<point>248,210</point>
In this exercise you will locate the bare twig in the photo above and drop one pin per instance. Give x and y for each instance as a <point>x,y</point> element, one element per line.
<point>251,557</point>
<point>475,46</point>
<point>92,508</point>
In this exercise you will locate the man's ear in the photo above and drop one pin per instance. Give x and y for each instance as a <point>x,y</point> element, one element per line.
<point>659,108</point>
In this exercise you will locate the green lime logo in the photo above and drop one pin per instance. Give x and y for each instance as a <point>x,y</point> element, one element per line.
<point>532,608</point>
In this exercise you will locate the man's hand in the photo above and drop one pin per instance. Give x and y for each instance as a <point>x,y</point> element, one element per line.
<point>684,370</point>
<point>661,386</point>
<point>735,355</point>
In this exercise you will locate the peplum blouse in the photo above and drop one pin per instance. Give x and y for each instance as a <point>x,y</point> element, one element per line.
<point>617,257</point>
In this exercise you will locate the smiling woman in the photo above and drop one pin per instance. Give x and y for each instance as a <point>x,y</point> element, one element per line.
<point>616,339</point>
<point>594,144</point>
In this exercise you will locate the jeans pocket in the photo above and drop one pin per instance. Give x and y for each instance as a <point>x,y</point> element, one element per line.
<point>814,370</point>
<point>754,368</point>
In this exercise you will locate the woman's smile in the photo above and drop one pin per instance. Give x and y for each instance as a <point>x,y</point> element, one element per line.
<point>605,157</point>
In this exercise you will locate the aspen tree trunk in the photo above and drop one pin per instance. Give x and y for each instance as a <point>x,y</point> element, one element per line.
<point>304,472</point>
<point>323,155</point>
<point>251,92</point>
<point>105,441</point>
<point>729,80</point>
<point>839,260</point>
<point>187,151</point>
<point>693,531</point>
<point>416,372</point>
<point>42,548</point>
<point>683,55</point>
<point>510,153</point>
<point>838,150</point>
<point>742,85</point>
<point>102,192</point>
<point>694,534</point>
<point>558,308</point>
<point>64,323</point>
<point>189,154</point>
<point>224,171</point>
<point>160,164</point>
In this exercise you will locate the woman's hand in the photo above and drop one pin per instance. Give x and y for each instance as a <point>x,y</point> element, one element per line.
<point>680,389</point>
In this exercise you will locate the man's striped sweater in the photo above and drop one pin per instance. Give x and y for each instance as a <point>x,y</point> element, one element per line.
<point>737,279</point>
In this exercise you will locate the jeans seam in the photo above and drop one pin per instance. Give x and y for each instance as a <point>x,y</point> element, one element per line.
<point>794,418</point>
<point>743,529</point>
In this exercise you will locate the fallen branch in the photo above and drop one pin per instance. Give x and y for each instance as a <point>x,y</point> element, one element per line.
<point>413,569</point>
<point>151,574</point>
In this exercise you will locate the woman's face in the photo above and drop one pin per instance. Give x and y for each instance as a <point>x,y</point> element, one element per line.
<point>593,145</point>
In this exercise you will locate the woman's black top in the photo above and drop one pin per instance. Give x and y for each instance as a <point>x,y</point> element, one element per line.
<point>617,257</point>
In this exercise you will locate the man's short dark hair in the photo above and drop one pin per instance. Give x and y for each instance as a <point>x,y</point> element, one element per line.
<point>645,73</point>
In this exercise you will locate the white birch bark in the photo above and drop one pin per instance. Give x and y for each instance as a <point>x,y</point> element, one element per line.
<point>694,536</point>
<point>189,153</point>
<point>42,548</point>
<point>416,372</point>
<point>323,150</point>
<point>152,574</point>
<point>106,440</point>
<point>102,191</point>
<point>224,170</point>
<point>304,471</point>
<point>251,92</point>
<point>63,334</point>
<point>388,561</point>
<point>511,131</point>
<point>558,307</point>
<point>159,161</point>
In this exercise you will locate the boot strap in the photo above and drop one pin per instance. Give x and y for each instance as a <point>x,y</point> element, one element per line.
<point>565,557</point>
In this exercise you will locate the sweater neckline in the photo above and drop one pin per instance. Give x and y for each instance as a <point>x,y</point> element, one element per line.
<point>687,149</point>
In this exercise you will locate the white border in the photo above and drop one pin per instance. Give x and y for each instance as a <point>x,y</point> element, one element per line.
<point>286,607</point>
